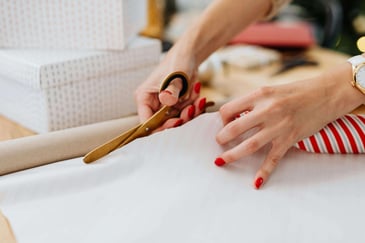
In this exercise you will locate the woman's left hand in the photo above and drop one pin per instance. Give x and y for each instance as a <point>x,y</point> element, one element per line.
<point>283,115</point>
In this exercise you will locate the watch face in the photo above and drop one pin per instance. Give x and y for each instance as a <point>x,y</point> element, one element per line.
<point>360,76</point>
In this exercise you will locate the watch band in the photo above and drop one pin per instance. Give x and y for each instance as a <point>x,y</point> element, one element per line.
<point>358,65</point>
<point>346,135</point>
<point>356,60</point>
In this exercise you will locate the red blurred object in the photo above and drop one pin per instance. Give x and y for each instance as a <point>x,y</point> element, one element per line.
<point>277,34</point>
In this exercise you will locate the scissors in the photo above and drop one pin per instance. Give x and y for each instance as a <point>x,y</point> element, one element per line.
<point>144,129</point>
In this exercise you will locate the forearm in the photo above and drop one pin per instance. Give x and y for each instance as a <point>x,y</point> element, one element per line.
<point>220,22</point>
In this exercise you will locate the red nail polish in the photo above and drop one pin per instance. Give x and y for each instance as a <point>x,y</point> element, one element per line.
<point>191,112</point>
<point>258,182</point>
<point>178,123</point>
<point>219,162</point>
<point>202,103</point>
<point>197,87</point>
<point>167,91</point>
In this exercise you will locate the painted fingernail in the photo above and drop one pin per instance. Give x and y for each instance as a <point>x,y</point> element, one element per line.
<point>202,103</point>
<point>178,123</point>
<point>258,182</point>
<point>191,112</point>
<point>167,91</point>
<point>219,162</point>
<point>242,114</point>
<point>197,87</point>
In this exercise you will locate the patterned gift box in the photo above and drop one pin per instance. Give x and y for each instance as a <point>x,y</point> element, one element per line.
<point>47,90</point>
<point>81,24</point>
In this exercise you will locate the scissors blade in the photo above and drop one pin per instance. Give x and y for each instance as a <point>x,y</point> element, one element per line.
<point>141,130</point>
<point>109,146</point>
<point>165,113</point>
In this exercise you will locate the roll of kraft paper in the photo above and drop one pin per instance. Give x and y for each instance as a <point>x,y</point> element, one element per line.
<point>6,232</point>
<point>28,152</point>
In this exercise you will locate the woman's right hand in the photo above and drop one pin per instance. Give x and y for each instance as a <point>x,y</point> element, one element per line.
<point>212,30</point>
<point>149,99</point>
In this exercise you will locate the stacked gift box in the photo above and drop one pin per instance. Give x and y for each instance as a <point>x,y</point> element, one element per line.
<point>70,63</point>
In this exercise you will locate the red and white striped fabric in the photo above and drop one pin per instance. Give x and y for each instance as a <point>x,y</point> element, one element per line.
<point>346,135</point>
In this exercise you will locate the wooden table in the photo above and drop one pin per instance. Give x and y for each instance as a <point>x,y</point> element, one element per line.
<point>230,83</point>
<point>10,129</point>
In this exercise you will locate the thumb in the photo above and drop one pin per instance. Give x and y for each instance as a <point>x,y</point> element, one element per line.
<point>170,95</point>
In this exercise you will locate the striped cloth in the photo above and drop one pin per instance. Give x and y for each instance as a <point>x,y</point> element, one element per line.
<point>346,135</point>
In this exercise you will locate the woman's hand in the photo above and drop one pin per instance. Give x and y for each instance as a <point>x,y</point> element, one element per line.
<point>212,30</point>
<point>282,115</point>
<point>149,99</point>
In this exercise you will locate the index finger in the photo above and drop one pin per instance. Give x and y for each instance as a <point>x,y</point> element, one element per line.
<point>230,110</point>
<point>144,112</point>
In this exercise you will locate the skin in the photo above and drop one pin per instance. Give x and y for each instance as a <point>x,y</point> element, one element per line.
<point>198,42</point>
<point>279,113</point>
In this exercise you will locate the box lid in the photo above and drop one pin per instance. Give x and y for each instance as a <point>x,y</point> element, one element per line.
<point>65,24</point>
<point>47,68</point>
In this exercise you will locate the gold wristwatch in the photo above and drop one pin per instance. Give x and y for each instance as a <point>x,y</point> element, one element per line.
<point>358,72</point>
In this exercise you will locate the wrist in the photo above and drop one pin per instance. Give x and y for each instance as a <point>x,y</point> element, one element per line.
<point>180,58</point>
<point>342,96</point>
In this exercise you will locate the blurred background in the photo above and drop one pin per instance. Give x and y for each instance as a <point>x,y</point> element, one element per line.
<point>336,24</point>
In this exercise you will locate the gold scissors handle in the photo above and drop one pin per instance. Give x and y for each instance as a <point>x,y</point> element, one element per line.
<point>144,129</point>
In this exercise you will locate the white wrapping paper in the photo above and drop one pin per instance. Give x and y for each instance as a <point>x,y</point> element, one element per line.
<point>166,188</point>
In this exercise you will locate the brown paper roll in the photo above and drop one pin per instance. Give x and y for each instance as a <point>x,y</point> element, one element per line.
<point>28,152</point>
<point>6,233</point>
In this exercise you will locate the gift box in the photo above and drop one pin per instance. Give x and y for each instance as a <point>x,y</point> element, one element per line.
<point>83,24</point>
<point>48,90</point>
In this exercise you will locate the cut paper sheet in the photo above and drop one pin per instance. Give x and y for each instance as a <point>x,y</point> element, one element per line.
<point>166,188</point>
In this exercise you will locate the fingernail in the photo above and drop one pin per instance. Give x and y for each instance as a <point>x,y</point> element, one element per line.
<point>242,114</point>
<point>219,162</point>
<point>197,87</point>
<point>258,182</point>
<point>178,123</point>
<point>202,103</point>
<point>167,91</point>
<point>191,112</point>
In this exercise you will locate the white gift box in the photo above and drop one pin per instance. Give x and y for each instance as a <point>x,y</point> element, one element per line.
<point>48,90</point>
<point>81,24</point>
